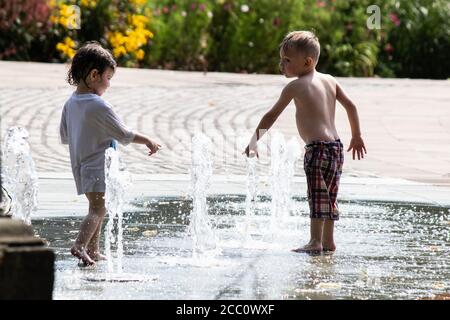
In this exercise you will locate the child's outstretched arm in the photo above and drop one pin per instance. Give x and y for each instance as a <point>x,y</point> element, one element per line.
<point>105,118</point>
<point>142,139</point>
<point>357,143</point>
<point>269,118</point>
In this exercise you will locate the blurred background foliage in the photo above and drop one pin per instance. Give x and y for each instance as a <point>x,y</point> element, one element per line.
<point>234,35</point>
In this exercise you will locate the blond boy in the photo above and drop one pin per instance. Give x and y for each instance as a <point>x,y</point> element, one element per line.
<point>315,96</point>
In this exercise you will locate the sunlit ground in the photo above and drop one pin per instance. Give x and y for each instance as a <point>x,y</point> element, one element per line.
<point>385,251</point>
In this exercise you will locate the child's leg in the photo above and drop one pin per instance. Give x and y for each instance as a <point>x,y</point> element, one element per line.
<point>315,243</point>
<point>93,248</point>
<point>89,226</point>
<point>328,236</point>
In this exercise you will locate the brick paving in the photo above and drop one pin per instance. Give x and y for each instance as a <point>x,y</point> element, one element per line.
<point>406,123</point>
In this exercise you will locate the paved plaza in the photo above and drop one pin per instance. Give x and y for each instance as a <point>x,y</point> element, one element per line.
<point>405,123</point>
<point>401,248</point>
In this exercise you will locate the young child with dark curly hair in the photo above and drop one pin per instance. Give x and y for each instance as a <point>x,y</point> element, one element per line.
<point>90,126</point>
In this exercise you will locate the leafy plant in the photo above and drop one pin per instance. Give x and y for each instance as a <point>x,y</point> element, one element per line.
<point>234,35</point>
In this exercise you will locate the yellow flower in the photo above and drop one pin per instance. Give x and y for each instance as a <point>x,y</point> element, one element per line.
<point>63,21</point>
<point>139,2</point>
<point>133,38</point>
<point>70,53</point>
<point>66,11</point>
<point>69,42</point>
<point>119,51</point>
<point>138,21</point>
<point>54,19</point>
<point>116,39</point>
<point>148,33</point>
<point>88,3</point>
<point>61,46</point>
<point>131,44</point>
<point>140,54</point>
<point>67,48</point>
<point>69,16</point>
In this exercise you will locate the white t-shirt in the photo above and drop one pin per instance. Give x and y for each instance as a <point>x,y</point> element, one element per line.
<point>88,126</point>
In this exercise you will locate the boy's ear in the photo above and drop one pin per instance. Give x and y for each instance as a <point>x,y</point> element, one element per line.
<point>94,73</point>
<point>309,61</point>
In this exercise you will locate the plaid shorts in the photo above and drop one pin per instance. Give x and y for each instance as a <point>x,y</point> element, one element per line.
<point>323,167</point>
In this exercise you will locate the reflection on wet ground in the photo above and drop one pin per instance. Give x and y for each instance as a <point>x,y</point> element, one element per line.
<point>385,251</point>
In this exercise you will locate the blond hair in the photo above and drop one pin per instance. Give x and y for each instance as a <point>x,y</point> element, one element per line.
<point>302,41</point>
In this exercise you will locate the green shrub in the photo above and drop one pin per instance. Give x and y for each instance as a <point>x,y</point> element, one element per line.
<point>246,34</point>
<point>235,35</point>
<point>417,40</point>
<point>348,47</point>
<point>181,34</point>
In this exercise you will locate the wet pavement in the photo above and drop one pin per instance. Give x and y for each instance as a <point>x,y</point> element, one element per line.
<point>385,251</point>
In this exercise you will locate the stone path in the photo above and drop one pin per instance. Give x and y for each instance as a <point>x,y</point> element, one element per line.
<point>406,123</point>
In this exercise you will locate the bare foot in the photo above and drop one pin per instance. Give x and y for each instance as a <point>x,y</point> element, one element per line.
<point>81,253</point>
<point>310,248</point>
<point>329,247</point>
<point>96,256</point>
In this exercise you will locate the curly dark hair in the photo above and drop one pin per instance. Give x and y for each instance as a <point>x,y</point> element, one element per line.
<point>90,56</point>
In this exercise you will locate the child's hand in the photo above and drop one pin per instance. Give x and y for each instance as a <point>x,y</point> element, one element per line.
<point>153,146</point>
<point>251,150</point>
<point>357,144</point>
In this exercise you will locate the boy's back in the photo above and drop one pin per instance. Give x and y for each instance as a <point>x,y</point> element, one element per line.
<point>315,101</point>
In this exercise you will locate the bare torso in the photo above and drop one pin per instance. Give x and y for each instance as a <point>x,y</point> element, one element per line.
<point>315,101</point>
